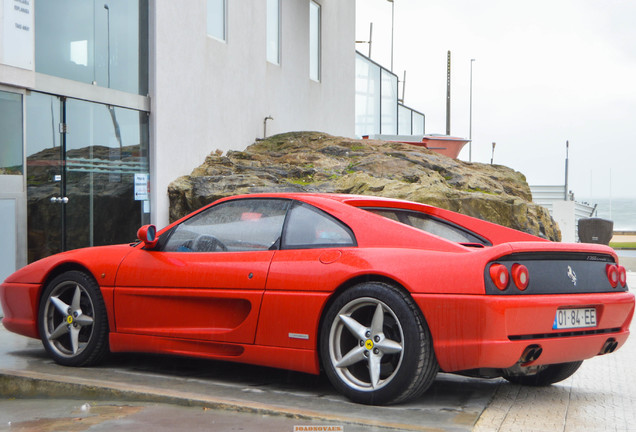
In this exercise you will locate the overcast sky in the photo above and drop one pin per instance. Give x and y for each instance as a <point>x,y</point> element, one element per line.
<point>545,72</point>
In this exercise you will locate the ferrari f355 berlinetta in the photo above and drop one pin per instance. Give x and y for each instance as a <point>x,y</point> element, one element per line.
<point>378,293</point>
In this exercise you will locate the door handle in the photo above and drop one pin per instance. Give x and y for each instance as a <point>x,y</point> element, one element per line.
<point>59,200</point>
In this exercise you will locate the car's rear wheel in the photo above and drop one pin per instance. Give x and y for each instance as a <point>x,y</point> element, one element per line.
<point>546,376</point>
<point>375,345</point>
<point>72,320</point>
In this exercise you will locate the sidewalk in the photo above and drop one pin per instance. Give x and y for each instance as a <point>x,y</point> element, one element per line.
<point>600,396</point>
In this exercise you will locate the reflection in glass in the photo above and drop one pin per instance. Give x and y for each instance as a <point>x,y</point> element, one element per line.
<point>10,133</point>
<point>93,165</point>
<point>105,147</point>
<point>98,41</point>
<point>44,175</point>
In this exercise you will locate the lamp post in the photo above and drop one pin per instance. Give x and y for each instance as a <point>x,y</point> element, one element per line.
<point>392,23</point>
<point>470,118</point>
<point>567,155</point>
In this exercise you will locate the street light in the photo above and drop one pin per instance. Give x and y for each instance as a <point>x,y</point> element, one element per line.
<point>470,120</point>
<point>392,22</point>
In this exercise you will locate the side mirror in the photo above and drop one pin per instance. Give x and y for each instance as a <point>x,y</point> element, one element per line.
<point>148,235</point>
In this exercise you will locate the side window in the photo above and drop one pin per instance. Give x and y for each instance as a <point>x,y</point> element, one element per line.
<point>430,224</point>
<point>308,227</point>
<point>232,226</point>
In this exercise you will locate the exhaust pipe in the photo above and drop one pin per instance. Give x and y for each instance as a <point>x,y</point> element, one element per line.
<point>530,354</point>
<point>609,346</point>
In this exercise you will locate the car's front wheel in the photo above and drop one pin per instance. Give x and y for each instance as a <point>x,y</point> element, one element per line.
<point>72,320</point>
<point>547,375</point>
<point>375,345</point>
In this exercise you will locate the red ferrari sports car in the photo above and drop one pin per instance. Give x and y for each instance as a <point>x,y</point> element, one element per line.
<point>381,294</point>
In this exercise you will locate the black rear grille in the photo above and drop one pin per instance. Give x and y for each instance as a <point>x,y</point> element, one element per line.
<point>564,334</point>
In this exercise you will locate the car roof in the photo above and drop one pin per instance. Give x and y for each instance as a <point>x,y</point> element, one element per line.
<point>339,197</point>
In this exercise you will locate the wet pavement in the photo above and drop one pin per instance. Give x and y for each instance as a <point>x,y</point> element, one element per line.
<point>144,392</point>
<point>268,395</point>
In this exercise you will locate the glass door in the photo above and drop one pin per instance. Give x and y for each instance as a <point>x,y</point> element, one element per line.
<point>45,175</point>
<point>87,174</point>
<point>106,155</point>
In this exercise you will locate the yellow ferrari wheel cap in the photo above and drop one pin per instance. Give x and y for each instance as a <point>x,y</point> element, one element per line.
<point>368,344</point>
<point>69,319</point>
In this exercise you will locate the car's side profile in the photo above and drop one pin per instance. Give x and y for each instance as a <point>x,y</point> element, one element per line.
<point>380,294</point>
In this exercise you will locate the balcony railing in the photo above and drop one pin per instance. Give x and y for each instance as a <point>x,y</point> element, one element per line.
<point>378,111</point>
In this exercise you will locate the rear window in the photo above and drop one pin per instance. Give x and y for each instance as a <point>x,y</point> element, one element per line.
<point>432,225</point>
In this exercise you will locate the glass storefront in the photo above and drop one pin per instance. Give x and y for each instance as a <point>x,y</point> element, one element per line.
<point>87,174</point>
<point>11,133</point>
<point>96,42</point>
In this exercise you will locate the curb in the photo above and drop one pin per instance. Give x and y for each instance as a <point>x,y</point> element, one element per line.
<point>23,385</point>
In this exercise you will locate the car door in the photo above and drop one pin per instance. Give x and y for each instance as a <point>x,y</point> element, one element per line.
<point>314,258</point>
<point>206,278</point>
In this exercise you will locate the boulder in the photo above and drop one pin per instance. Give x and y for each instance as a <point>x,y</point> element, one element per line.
<point>318,162</point>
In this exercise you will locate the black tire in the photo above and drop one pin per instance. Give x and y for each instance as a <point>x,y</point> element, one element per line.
<point>550,374</point>
<point>399,350</point>
<point>72,320</point>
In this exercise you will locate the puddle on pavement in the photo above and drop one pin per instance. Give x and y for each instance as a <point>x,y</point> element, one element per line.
<point>81,419</point>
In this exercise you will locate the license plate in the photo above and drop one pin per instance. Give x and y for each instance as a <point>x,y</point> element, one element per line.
<point>574,318</point>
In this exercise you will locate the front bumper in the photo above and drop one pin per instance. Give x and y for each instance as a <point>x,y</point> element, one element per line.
<point>20,305</point>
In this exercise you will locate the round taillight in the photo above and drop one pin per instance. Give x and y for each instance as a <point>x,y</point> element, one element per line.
<point>622,275</point>
<point>612,274</point>
<point>499,275</point>
<point>520,276</point>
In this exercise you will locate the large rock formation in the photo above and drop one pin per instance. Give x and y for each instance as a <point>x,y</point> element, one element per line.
<point>317,162</point>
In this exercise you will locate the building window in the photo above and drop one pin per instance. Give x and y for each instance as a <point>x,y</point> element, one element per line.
<point>388,101</point>
<point>217,19</point>
<point>273,31</point>
<point>10,133</point>
<point>314,40</point>
<point>104,43</point>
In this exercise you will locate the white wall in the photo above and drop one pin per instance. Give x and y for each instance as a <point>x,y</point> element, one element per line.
<point>208,95</point>
<point>13,230</point>
<point>563,214</point>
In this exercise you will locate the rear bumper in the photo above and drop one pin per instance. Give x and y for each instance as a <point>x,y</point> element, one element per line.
<point>485,331</point>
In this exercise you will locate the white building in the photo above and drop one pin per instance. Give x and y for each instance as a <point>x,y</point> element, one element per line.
<point>563,208</point>
<point>104,103</point>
